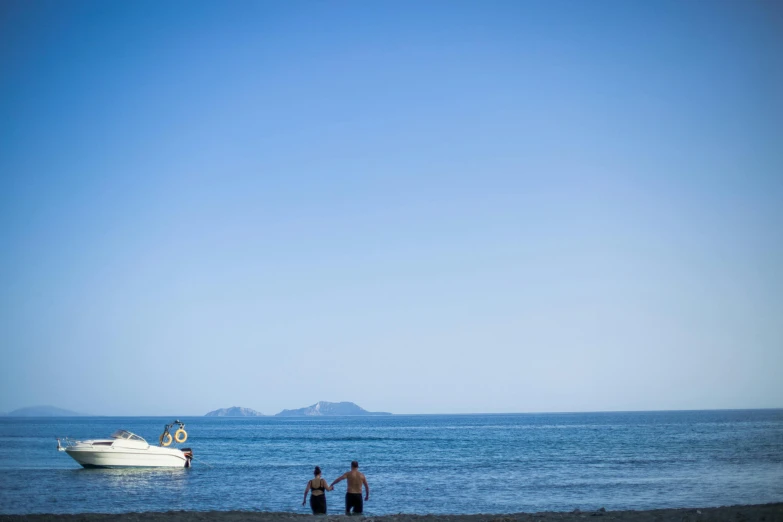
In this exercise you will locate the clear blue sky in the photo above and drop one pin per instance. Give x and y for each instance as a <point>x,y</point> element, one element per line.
<point>417,206</point>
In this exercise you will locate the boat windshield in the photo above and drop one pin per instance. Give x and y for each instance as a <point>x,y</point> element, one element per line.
<point>122,434</point>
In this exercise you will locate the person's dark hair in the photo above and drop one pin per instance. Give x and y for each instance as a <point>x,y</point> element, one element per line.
<point>317,471</point>
<point>354,464</point>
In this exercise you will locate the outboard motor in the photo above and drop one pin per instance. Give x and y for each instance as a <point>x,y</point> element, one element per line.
<point>188,456</point>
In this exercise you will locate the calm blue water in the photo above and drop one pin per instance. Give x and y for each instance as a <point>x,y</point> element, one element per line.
<point>414,464</point>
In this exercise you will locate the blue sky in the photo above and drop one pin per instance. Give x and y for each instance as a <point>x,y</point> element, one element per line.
<point>421,207</point>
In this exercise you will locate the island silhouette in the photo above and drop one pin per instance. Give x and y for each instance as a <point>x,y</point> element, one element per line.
<point>319,409</point>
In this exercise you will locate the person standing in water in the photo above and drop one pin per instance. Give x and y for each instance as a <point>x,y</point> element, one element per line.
<point>353,497</point>
<point>318,495</point>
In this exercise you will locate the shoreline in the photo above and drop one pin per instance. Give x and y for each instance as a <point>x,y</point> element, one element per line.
<point>741,513</point>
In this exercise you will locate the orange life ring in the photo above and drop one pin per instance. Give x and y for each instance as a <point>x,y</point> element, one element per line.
<point>181,432</point>
<point>165,439</point>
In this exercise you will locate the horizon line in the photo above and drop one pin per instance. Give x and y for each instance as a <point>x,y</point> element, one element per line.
<point>79,415</point>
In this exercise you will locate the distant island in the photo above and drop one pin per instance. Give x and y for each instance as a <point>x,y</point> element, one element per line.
<point>234,411</point>
<point>42,411</point>
<point>324,408</point>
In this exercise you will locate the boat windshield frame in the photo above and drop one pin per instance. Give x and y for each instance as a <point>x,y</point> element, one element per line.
<point>126,435</point>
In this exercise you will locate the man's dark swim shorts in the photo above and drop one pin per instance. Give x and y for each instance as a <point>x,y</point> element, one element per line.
<point>353,500</point>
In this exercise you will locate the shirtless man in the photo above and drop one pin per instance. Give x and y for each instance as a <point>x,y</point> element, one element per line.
<point>353,498</point>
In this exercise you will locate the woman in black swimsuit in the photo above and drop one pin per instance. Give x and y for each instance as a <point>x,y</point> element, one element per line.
<point>318,496</point>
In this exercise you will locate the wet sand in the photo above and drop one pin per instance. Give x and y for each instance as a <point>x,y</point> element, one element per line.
<point>763,512</point>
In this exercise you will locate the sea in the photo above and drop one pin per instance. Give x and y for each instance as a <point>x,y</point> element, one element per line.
<point>435,464</point>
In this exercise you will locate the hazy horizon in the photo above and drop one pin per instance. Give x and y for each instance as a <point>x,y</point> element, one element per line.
<point>273,414</point>
<point>447,207</point>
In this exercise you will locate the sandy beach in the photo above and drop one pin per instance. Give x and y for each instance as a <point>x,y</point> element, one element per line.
<point>763,512</point>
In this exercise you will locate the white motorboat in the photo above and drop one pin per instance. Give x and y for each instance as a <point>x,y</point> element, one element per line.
<point>125,449</point>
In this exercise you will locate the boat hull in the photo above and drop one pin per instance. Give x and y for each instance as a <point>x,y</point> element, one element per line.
<point>129,459</point>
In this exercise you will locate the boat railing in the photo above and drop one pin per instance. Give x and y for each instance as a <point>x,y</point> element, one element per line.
<point>64,443</point>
